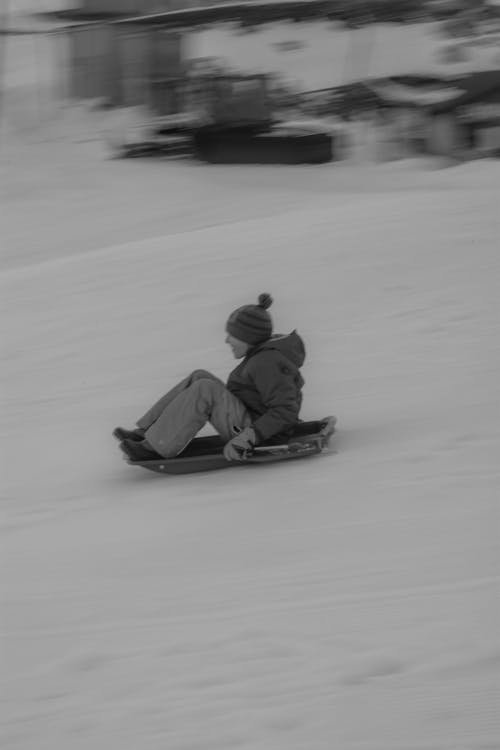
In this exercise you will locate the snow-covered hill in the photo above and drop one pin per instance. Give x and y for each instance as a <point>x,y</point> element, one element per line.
<point>348,602</point>
<point>345,602</point>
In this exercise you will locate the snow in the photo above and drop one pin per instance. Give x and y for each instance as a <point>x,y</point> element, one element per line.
<point>348,601</point>
<point>328,55</point>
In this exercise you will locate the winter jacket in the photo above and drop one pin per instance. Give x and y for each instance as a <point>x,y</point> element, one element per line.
<point>269,383</point>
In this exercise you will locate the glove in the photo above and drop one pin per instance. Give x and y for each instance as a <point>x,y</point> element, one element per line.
<point>243,441</point>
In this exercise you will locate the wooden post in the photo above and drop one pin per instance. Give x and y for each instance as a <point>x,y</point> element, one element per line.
<point>356,67</point>
<point>4,24</point>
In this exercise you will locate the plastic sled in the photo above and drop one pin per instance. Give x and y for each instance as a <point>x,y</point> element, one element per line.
<point>205,453</point>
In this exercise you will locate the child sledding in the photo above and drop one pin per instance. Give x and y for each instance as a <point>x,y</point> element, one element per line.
<point>255,413</point>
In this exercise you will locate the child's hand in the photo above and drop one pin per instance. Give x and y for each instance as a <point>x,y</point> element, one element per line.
<point>244,441</point>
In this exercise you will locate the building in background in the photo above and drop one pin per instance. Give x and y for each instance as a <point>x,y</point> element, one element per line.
<point>296,43</point>
<point>146,53</point>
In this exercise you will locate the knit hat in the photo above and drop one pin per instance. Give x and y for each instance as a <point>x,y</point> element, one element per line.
<point>252,323</point>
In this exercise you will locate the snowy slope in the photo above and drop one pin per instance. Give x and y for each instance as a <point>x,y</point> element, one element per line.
<point>344,602</point>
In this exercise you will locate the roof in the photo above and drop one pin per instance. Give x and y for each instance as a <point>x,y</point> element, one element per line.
<point>397,94</point>
<point>472,88</point>
<point>262,11</point>
<point>249,11</point>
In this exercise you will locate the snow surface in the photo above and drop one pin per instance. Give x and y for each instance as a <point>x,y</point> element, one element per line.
<point>347,602</point>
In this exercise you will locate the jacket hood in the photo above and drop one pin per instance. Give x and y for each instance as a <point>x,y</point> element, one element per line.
<point>290,345</point>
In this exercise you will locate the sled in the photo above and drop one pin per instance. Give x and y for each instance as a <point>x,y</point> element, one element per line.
<point>206,453</point>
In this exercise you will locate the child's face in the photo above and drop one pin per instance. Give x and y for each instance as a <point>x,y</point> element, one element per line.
<point>239,348</point>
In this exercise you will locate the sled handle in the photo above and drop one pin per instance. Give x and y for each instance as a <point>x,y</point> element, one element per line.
<point>267,448</point>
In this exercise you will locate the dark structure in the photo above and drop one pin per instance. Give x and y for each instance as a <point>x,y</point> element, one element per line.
<point>276,146</point>
<point>479,90</point>
<point>461,123</point>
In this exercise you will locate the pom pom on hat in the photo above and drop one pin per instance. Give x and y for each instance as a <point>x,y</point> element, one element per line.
<point>265,300</point>
<point>252,323</point>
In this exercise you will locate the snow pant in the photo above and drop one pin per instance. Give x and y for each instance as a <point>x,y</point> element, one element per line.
<point>200,398</point>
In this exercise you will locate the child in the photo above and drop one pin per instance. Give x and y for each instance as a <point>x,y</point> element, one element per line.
<point>262,397</point>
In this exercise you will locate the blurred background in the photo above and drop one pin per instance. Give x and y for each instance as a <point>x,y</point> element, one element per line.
<point>384,80</point>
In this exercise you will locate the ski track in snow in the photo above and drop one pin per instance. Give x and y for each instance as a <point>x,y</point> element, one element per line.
<point>346,602</point>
